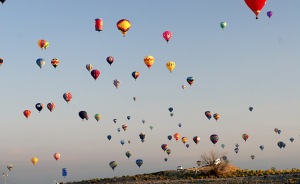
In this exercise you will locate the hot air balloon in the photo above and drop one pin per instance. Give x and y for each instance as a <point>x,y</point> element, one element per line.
<point>109,137</point>
<point>171,109</point>
<point>149,60</point>
<point>165,159</point>
<point>190,80</point>
<point>110,60</point>
<point>170,66</point>
<point>151,127</point>
<point>216,116</point>
<point>183,86</point>
<point>97,117</point>
<point>122,142</point>
<point>252,157</point>
<point>261,147</point>
<point>187,145</point>
<point>113,165</point>
<point>214,138</point>
<point>223,145</point>
<point>237,145</point>
<point>250,109</point>
<point>256,5</point>
<point>34,160</point>
<point>167,35</point>
<point>142,136</point>
<point>117,83</point>
<point>42,44</point>
<point>128,117</point>
<point>98,25</point>
<point>118,129</point>
<point>27,113</point>
<point>236,150</point>
<point>276,130</point>
<point>83,115</point>
<point>269,14</point>
<point>89,67</point>
<point>134,98</point>
<point>139,162</point>
<point>184,140</point>
<point>245,137</point>
<point>171,114</point>
<point>223,25</point>
<point>170,137</point>
<point>164,147</point>
<point>39,106</point>
<point>129,141</point>
<point>292,139</point>
<point>95,73</point>
<point>176,136</point>
<point>196,139</point>
<point>135,74</point>
<point>168,151</point>
<point>198,163</point>
<point>46,45</point>
<point>67,96</point>
<point>224,157</point>
<point>9,167</point>
<point>51,106</point>
<point>208,114</point>
<point>40,62</point>
<point>115,120</point>
<point>279,131</point>
<point>1,61</point>
<point>56,156</point>
<point>128,154</point>
<point>2,1</point>
<point>55,62</point>
<point>124,127</point>
<point>123,25</point>
<point>179,124</point>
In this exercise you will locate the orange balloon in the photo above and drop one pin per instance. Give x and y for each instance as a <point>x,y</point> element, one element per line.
<point>176,136</point>
<point>27,113</point>
<point>56,156</point>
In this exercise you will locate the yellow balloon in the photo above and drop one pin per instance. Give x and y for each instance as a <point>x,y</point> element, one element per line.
<point>46,45</point>
<point>149,60</point>
<point>34,160</point>
<point>123,25</point>
<point>184,139</point>
<point>170,65</point>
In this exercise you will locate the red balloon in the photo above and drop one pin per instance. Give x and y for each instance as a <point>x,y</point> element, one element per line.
<point>56,156</point>
<point>27,113</point>
<point>256,5</point>
<point>67,96</point>
<point>95,73</point>
<point>98,25</point>
<point>51,106</point>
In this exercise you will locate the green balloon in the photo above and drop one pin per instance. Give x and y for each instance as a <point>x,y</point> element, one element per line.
<point>223,25</point>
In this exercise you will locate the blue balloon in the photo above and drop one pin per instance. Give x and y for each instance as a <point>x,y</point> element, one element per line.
<point>139,162</point>
<point>64,172</point>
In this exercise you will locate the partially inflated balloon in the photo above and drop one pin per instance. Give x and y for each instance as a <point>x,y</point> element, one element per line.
<point>95,73</point>
<point>256,5</point>
<point>123,25</point>
<point>55,62</point>
<point>167,35</point>
<point>34,160</point>
<point>149,60</point>
<point>27,113</point>
<point>170,66</point>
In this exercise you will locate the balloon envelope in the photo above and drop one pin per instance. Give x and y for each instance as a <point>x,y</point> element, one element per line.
<point>34,160</point>
<point>214,138</point>
<point>113,165</point>
<point>139,162</point>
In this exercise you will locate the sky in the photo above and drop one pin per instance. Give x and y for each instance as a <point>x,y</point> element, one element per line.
<point>249,63</point>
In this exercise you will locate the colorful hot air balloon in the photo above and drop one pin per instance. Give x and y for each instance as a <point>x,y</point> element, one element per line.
<point>56,156</point>
<point>167,35</point>
<point>250,109</point>
<point>128,154</point>
<point>95,73</point>
<point>27,113</point>
<point>110,60</point>
<point>42,43</point>
<point>170,66</point>
<point>245,137</point>
<point>123,25</point>
<point>1,61</point>
<point>55,62</point>
<point>51,106</point>
<point>208,114</point>
<point>214,138</point>
<point>176,136</point>
<point>39,106</point>
<point>149,60</point>
<point>269,14</point>
<point>40,62</point>
<point>34,160</point>
<point>9,167</point>
<point>216,116</point>
<point>67,96</point>
<point>113,165</point>
<point>184,140</point>
<point>256,5</point>
<point>125,126</point>
<point>97,117</point>
<point>223,25</point>
<point>164,147</point>
<point>139,162</point>
<point>196,139</point>
<point>135,74</point>
<point>190,80</point>
<point>117,83</point>
<point>83,115</point>
<point>98,25</point>
<point>89,67</point>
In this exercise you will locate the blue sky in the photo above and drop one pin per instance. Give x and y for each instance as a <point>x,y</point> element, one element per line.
<point>250,63</point>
